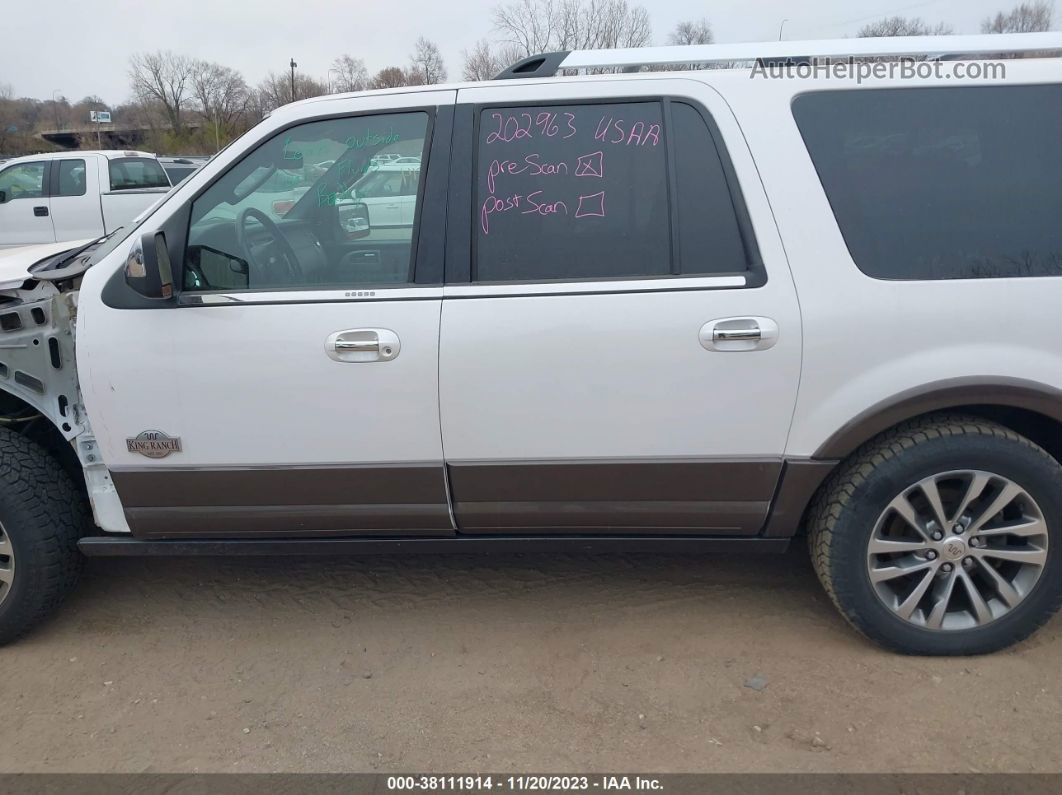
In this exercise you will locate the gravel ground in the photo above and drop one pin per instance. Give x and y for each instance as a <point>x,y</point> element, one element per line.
<point>515,663</point>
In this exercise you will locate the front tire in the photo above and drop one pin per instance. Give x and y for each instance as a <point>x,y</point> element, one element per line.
<point>942,537</point>
<point>42,515</point>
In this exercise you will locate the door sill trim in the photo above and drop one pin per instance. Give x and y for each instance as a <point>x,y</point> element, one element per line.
<point>114,546</point>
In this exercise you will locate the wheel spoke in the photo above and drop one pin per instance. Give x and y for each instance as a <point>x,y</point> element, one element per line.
<point>978,481</point>
<point>6,575</point>
<point>981,611</point>
<point>1024,528</point>
<point>5,546</point>
<point>886,546</point>
<point>1002,500</point>
<point>940,607</point>
<point>929,488</point>
<point>1030,555</point>
<point>886,573</point>
<point>907,607</point>
<point>903,507</point>
<point>1005,590</point>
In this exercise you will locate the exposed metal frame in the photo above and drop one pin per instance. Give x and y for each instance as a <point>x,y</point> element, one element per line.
<point>631,59</point>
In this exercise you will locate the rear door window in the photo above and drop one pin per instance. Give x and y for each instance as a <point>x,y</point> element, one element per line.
<point>72,178</point>
<point>602,191</point>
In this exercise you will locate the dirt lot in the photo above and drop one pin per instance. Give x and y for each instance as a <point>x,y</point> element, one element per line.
<point>565,664</point>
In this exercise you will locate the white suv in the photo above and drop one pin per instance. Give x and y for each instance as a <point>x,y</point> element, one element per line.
<point>665,311</point>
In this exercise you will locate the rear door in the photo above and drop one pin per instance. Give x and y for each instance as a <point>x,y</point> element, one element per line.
<point>620,335</point>
<point>25,214</point>
<point>75,200</point>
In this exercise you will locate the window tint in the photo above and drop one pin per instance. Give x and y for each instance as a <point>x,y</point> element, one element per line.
<point>179,174</point>
<point>572,192</point>
<point>72,178</point>
<point>942,183</point>
<point>24,181</point>
<point>128,173</point>
<point>294,212</point>
<point>709,238</point>
<point>585,191</point>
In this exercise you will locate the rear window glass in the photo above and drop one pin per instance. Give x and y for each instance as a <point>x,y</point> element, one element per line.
<point>128,173</point>
<point>942,183</point>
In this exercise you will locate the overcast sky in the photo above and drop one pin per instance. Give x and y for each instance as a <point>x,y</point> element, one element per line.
<point>80,47</point>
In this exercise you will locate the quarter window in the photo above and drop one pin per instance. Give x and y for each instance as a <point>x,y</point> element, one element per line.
<point>329,203</point>
<point>942,183</point>
<point>24,181</point>
<point>600,191</point>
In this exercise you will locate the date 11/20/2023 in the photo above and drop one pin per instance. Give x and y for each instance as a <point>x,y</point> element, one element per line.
<point>553,160</point>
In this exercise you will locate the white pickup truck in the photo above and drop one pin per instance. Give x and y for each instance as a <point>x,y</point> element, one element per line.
<point>75,195</point>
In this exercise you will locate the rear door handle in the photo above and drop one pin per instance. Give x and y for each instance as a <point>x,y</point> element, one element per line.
<point>363,345</point>
<point>40,212</point>
<point>734,334</point>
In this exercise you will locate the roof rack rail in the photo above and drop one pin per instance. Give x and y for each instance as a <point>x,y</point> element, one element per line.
<point>550,64</point>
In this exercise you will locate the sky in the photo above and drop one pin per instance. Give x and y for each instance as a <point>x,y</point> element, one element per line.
<point>75,48</point>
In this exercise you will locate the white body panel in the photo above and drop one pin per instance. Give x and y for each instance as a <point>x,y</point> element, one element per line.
<point>620,374</point>
<point>252,385</point>
<point>76,217</point>
<point>867,340</point>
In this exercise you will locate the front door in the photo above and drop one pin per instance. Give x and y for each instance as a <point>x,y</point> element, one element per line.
<point>624,353</point>
<point>298,365</point>
<point>25,213</point>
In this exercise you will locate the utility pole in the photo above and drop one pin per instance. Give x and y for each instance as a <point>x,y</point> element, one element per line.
<point>293,65</point>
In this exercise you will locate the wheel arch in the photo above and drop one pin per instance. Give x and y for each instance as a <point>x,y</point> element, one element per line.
<point>1030,408</point>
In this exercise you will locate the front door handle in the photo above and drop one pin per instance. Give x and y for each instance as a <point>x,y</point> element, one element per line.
<point>363,345</point>
<point>40,212</point>
<point>733,334</point>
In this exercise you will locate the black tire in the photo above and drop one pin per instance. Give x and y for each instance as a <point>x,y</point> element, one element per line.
<point>842,519</point>
<point>42,514</point>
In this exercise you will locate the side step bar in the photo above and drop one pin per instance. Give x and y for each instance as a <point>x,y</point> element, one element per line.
<point>123,546</point>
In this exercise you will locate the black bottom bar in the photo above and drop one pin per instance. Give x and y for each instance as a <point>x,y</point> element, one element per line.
<point>122,546</point>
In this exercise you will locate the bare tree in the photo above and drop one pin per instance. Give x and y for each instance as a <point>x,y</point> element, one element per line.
<point>275,90</point>
<point>484,62</point>
<point>163,77</point>
<point>533,26</point>
<point>392,77</point>
<point>692,32</point>
<point>351,74</point>
<point>426,63</point>
<point>1034,17</point>
<point>903,26</point>
<point>220,92</point>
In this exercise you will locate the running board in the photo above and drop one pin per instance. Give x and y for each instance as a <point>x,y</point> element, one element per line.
<point>123,546</point>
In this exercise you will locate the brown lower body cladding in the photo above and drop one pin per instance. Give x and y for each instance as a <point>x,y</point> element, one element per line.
<point>670,496</point>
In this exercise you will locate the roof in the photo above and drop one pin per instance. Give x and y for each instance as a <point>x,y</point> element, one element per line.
<point>110,154</point>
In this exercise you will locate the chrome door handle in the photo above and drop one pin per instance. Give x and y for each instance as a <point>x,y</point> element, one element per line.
<point>367,346</point>
<point>363,345</point>
<point>735,334</point>
<point>730,335</point>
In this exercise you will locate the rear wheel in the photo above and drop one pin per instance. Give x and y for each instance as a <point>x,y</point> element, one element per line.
<point>941,537</point>
<point>42,515</point>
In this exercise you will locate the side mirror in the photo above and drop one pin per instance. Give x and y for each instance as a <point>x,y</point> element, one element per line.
<point>147,268</point>
<point>354,220</point>
<point>3,196</point>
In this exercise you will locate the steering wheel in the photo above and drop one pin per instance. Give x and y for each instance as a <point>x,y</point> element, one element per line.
<point>282,270</point>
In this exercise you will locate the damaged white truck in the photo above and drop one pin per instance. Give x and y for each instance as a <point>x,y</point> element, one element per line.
<point>665,311</point>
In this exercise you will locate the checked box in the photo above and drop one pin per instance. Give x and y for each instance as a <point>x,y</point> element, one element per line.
<point>590,165</point>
